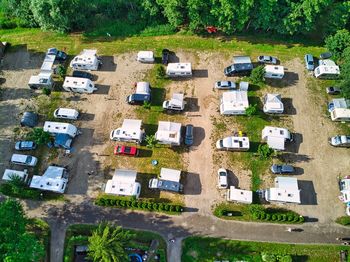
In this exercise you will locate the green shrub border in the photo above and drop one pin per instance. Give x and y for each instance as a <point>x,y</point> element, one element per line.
<point>146,205</point>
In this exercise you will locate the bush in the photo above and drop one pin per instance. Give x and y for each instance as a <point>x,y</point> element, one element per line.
<point>160,207</point>
<point>112,202</point>
<point>144,205</point>
<point>274,217</point>
<point>166,207</point>
<point>257,75</point>
<point>134,204</point>
<point>290,218</point>
<point>61,70</point>
<point>46,91</point>
<point>251,110</point>
<point>301,219</point>
<point>256,215</point>
<point>155,206</point>
<point>267,217</point>
<point>279,217</point>
<point>284,217</point>
<point>262,215</point>
<point>122,203</point>
<point>160,71</point>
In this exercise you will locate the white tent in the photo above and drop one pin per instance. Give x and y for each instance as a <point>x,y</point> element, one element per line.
<point>169,133</point>
<point>123,183</point>
<point>273,104</point>
<point>239,195</point>
<point>234,103</point>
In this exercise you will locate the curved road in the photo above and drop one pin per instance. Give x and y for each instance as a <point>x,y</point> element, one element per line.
<point>61,215</point>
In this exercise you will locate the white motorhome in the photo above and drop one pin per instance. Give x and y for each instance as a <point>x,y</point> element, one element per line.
<point>344,185</point>
<point>340,114</point>
<point>176,103</point>
<point>43,79</point>
<point>239,195</point>
<point>286,190</point>
<point>86,60</point>
<point>60,128</point>
<point>233,143</point>
<point>55,179</point>
<point>273,104</point>
<point>131,131</point>
<point>10,173</point>
<point>168,133</point>
<point>169,180</point>
<point>145,57</point>
<point>123,183</point>
<point>327,69</point>
<point>276,137</point>
<point>234,102</point>
<point>179,69</point>
<point>274,71</point>
<point>66,113</point>
<point>78,85</point>
<point>48,64</point>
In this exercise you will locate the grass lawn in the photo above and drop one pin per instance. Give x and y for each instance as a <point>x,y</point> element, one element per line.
<point>211,249</point>
<point>78,235</point>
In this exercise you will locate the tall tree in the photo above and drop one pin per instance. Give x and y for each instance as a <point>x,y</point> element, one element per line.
<point>338,42</point>
<point>107,244</point>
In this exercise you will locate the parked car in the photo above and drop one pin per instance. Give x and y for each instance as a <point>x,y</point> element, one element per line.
<point>225,85</point>
<point>82,74</point>
<point>330,106</point>
<point>25,145</point>
<point>126,150</point>
<point>222,178</point>
<point>60,55</point>
<point>309,62</point>
<point>333,90</point>
<point>24,160</point>
<point>326,55</point>
<point>165,56</point>
<point>189,135</point>
<point>266,59</point>
<point>282,169</point>
<point>29,119</point>
<point>340,141</point>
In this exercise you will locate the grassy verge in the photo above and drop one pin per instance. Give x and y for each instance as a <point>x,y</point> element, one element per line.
<point>256,213</point>
<point>213,249</point>
<point>344,220</point>
<point>78,235</point>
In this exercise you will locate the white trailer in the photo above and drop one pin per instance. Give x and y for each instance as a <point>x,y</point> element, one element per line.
<point>239,195</point>
<point>123,183</point>
<point>176,103</point>
<point>276,137</point>
<point>145,57</point>
<point>234,102</point>
<point>273,104</point>
<point>43,79</point>
<point>274,71</point>
<point>60,128</point>
<point>86,60</point>
<point>131,131</point>
<point>179,69</point>
<point>233,143</point>
<point>78,85</point>
<point>340,114</point>
<point>55,179</point>
<point>327,69</point>
<point>9,174</point>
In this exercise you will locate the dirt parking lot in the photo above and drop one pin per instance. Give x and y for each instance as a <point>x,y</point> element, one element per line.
<point>91,161</point>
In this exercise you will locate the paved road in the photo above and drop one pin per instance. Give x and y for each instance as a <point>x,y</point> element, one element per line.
<point>59,216</point>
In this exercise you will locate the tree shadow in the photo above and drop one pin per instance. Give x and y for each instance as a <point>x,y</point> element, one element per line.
<point>102,89</point>
<point>289,79</point>
<point>145,152</point>
<point>86,117</point>
<point>293,158</point>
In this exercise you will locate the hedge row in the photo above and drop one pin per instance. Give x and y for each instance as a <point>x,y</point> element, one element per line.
<point>139,204</point>
<point>289,217</point>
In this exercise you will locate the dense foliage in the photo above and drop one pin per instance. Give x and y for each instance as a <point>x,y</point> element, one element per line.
<point>16,243</point>
<point>282,17</point>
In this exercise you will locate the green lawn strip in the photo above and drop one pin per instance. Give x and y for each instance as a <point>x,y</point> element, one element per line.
<point>36,40</point>
<point>78,235</point>
<point>207,249</point>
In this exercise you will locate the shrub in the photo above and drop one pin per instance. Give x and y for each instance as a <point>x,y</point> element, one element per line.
<point>257,75</point>
<point>146,105</point>
<point>290,218</point>
<point>251,110</point>
<point>61,70</point>
<point>151,141</point>
<point>301,219</point>
<point>46,91</point>
<point>262,215</point>
<point>267,217</point>
<point>160,207</point>
<point>155,206</point>
<point>128,203</point>
<point>112,202</point>
<point>139,205</point>
<point>39,136</point>
<point>160,72</point>
<point>256,215</point>
<point>144,205</point>
<point>274,217</point>
<point>166,207</point>
<point>134,203</point>
<point>264,151</point>
<point>178,208</point>
<point>284,217</point>
<point>122,203</point>
<point>279,217</point>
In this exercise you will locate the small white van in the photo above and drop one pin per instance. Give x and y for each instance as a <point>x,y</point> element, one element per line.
<point>10,173</point>
<point>24,160</point>
<point>66,113</point>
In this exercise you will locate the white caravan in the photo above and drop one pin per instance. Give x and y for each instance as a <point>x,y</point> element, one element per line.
<point>327,69</point>
<point>234,103</point>
<point>66,113</point>
<point>176,103</point>
<point>86,60</point>
<point>145,57</point>
<point>123,183</point>
<point>233,143</point>
<point>276,137</point>
<point>131,131</point>
<point>168,133</point>
<point>60,128</point>
<point>286,190</point>
<point>340,114</point>
<point>179,69</point>
<point>10,173</point>
<point>54,179</point>
<point>78,85</point>
<point>273,104</point>
<point>273,71</point>
<point>239,195</point>
<point>43,79</point>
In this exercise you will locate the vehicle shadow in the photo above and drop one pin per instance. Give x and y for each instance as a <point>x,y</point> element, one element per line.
<point>200,73</point>
<point>192,104</point>
<point>308,195</point>
<point>192,184</point>
<point>232,179</point>
<point>199,135</point>
<point>289,109</point>
<point>108,64</point>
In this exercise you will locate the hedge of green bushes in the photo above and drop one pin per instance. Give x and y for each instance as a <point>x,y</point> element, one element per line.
<point>344,220</point>
<point>278,217</point>
<point>122,202</point>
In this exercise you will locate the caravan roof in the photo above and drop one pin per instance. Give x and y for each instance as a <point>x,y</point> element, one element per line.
<point>326,62</point>
<point>9,173</point>
<point>170,174</point>
<point>59,127</point>
<point>341,114</point>
<point>168,133</point>
<point>177,99</point>
<point>234,101</point>
<point>48,63</point>
<point>239,195</point>
<point>179,67</point>
<point>273,103</point>
<point>54,179</point>
<point>286,190</point>
<point>143,88</point>
<point>124,183</point>
<point>242,60</point>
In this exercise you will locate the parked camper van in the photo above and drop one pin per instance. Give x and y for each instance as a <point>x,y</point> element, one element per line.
<point>78,85</point>
<point>86,60</point>
<point>242,65</point>
<point>60,128</point>
<point>145,57</point>
<point>24,160</point>
<point>327,69</point>
<point>273,104</point>
<point>54,179</point>
<point>41,80</point>
<point>274,71</point>
<point>340,114</point>
<point>129,132</point>
<point>169,180</point>
<point>176,103</point>
<point>10,173</point>
<point>142,94</point>
<point>179,69</point>
<point>66,113</point>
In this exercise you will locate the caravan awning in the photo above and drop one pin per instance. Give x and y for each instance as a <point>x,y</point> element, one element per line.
<point>276,143</point>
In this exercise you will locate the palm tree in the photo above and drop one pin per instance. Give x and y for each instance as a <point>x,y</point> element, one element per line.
<point>108,243</point>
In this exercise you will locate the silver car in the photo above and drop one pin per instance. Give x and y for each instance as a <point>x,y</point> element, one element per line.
<point>266,59</point>
<point>224,85</point>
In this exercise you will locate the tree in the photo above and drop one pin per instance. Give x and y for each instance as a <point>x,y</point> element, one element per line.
<point>338,42</point>
<point>264,151</point>
<point>251,110</point>
<point>39,136</point>
<point>16,244</point>
<point>345,73</point>
<point>151,141</point>
<point>257,75</point>
<point>107,244</point>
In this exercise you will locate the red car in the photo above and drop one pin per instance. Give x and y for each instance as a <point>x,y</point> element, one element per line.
<point>126,150</point>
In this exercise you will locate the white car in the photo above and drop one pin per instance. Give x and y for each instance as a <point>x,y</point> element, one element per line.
<point>24,160</point>
<point>222,178</point>
<point>224,85</point>
<point>340,141</point>
<point>266,59</point>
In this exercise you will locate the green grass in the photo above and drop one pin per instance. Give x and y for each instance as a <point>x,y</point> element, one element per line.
<point>78,235</point>
<point>41,229</point>
<point>207,249</point>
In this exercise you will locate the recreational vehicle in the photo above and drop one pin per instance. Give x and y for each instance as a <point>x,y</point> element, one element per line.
<point>327,69</point>
<point>86,60</point>
<point>60,128</point>
<point>286,190</point>
<point>273,104</point>
<point>78,85</point>
<point>145,57</point>
<point>234,103</point>
<point>239,195</point>
<point>274,71</point>
<point>55,179</point>
<point>168,133</point>
<point>176,103</point>
<point>66,113</point>
<point>233,143</point>
<point>42,80</point>
<point>340,114</point>
<point>9,174</point>
<point>179,69</point>
<point>276,137</point>
<point>142,94</point>
<point>123,183</point>
<point>169,180</point>
<point>129,132</point>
